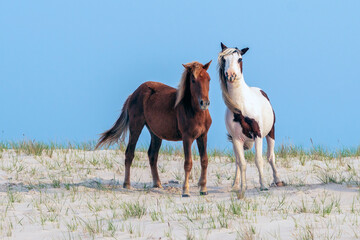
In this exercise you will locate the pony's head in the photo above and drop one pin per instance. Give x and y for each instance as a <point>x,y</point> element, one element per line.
<point>194,83</point>
<point>230,63</point>
<point>230,70</point>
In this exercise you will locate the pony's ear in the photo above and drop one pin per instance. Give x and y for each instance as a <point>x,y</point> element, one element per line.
<point>244,50</point>
<point>206,66</point>
<point>223,47</point>
<point>187,66</point>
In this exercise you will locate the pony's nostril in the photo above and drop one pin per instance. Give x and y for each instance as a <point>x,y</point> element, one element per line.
<point>201,102</point>
<point>208,103</point>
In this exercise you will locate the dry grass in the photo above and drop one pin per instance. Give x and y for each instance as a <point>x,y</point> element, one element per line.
<point>70,192</point>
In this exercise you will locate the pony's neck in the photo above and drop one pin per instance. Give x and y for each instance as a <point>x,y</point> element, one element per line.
<point>238,91</point>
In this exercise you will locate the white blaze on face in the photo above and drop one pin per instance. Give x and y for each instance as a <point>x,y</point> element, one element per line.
<point>232,66</point>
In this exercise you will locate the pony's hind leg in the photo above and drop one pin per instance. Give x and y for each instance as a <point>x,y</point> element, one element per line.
<point>259,162</point>
<point>241,162</point>
<point>153,153</point>
<point>135,130</point>
<point>271,160</point>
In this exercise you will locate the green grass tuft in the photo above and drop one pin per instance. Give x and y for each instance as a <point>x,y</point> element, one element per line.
<point>283,151</point>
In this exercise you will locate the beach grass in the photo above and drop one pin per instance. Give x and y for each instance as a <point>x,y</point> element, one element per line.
<point>70,191</point>
<point>282,151</point>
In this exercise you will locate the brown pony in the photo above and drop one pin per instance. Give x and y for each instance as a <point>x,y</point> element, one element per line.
<point>168,114</point>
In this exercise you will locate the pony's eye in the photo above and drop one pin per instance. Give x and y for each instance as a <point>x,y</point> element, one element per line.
<point>240,59</point>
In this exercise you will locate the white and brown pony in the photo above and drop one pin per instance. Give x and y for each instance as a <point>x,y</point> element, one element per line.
<point>249,117</point>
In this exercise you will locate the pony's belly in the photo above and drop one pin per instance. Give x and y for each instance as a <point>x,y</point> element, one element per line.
<point>165,128</point>
<point>268,121</point>
<point>168,136</point>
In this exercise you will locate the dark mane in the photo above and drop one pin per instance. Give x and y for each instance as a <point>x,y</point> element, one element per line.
<point>184,81</point>
<point>187,92</point>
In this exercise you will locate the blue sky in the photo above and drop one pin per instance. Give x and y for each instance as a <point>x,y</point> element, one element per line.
<point>66,67</point>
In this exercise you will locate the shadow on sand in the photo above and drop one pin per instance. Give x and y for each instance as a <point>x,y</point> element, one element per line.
<point>171,187</point>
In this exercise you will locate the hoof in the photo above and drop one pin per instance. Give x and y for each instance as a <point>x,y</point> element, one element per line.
<point>203,193</point>
<point>235,187</point>
<point>157,186</point>
<point>185,195</point>
<point>126,185</point>
<point>240,195</point>
<point>234,190</point>
<point>281,184</point>
<point>264,189</point>
<point>278,184</point>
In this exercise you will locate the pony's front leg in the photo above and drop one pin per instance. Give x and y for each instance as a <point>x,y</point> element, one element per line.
<point>187,142</point>
<point>238,146</point>
<point>259,162</point>
<point>202,142</point>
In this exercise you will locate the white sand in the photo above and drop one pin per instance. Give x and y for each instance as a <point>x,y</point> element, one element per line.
<point>79,195</point>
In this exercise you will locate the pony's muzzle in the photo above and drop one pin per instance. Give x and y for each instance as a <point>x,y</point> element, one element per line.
<point>204,104</point>
<point>230,77</point>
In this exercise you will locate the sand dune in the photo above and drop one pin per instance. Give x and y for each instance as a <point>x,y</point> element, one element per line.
<point>75,194</point>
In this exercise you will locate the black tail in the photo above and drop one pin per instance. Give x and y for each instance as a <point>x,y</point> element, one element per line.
<point>118,130</point>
